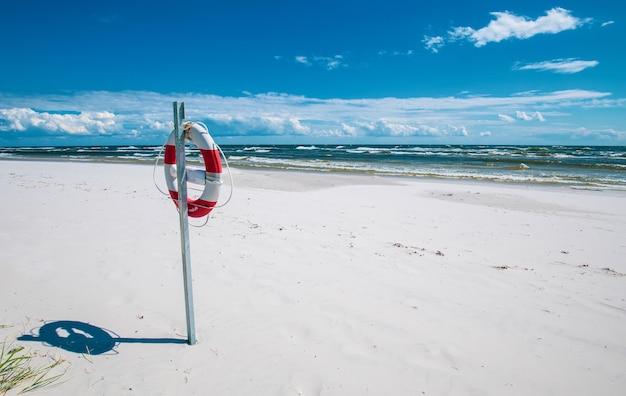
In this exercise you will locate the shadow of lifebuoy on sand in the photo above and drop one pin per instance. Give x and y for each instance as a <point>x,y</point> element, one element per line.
<point>82,337</point>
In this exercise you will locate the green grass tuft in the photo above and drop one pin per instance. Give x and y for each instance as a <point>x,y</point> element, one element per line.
<point>17,370</point>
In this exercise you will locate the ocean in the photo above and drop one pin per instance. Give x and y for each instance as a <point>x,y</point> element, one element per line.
<point>593,167</point>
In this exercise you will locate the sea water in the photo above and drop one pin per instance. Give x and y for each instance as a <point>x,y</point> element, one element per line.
<point>602,167</point>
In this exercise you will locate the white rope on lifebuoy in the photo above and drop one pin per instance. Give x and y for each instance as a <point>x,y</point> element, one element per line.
<point>197,134</point>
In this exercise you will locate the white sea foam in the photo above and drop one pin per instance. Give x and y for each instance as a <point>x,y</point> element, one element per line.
<point>555,164</point>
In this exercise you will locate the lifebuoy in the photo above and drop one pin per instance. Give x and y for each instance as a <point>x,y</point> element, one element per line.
<point>198,135</point>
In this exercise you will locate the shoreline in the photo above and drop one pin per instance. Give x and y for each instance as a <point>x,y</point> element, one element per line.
<point>315,283</point>
<point>347,176</point>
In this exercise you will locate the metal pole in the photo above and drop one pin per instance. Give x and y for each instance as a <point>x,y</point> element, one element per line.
<point>181,175</point>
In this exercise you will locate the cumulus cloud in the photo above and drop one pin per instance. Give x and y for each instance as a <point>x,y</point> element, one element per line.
<point>84,123</point>
<point>522,115</point>
<point>266,124</point>
<point>458,130</point>
<point>563,66</point>
<point>507,25</point>
<point>137,117</point>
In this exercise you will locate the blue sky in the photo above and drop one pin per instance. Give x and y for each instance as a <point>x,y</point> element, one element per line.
<point>279,71</point>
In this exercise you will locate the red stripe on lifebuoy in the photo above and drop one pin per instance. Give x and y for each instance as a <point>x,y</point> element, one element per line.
<point>195,208</point>
<point>200,208</point>
<point>199,136</point>
<point>212,162</point>
<point>170,155</point>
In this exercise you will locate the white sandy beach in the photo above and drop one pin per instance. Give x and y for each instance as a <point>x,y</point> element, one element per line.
<point>319,284</point>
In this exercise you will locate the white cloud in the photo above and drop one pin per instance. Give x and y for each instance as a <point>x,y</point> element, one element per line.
<point>563,66</point>
<point>158,125</point>
<point>522,115</point>
<point>396,128</point>
<point>433,43</point>
<point>348,130</point>
<point>507,25</point>
<point>459,131</point>
<point>396,53</point>
<point>302,59</point>
<point>332,62</point>
<point>460,33</point>
<point>146,116</point>
<point>84,123</point>
<point>607,23</point>
<point>539,117</point>
<point>326,62</point>
<point>296,126</point>
<point>506,118</point>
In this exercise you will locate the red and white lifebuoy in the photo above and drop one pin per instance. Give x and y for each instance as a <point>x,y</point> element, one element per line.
<point>198,135</point>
